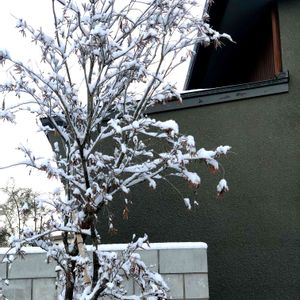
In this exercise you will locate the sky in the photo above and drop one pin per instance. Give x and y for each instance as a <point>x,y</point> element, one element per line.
<point>37,13</point>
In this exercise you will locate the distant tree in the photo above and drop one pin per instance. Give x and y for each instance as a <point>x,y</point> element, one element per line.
<point>3,237</point>
<point>100,71</point>
<point>21,209</point>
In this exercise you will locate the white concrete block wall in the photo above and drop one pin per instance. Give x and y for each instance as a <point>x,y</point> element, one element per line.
<point>183,266</point>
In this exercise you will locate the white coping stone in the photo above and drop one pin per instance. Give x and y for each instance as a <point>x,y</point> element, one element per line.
<point>32,266</point>
<point>44,288</point>
<point>150,258</point>
<point>183,261</point>
<point>117,247</point>
<point>175,283</point>
<point>196,286</point>
<point>18,289</point>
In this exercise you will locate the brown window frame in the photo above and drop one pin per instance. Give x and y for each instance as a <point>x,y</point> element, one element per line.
<point>276,40</point>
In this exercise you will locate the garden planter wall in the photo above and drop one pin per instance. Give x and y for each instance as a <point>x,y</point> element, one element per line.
<point>183,266</point>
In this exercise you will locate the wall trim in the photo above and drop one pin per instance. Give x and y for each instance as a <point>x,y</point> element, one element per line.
<point>195,98</point>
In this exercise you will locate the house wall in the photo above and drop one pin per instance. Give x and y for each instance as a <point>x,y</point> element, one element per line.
<point>183,266</point>
<point>253,231</point>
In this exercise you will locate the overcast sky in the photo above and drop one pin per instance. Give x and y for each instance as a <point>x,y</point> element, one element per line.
<point>37,13</point>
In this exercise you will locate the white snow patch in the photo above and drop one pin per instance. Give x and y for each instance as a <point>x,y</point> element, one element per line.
<point>222,186</point>
<point>223,150</point>
<point>169,125</point>
<point>156,246</point>
<point>118,247</point>
<point>187,203</point>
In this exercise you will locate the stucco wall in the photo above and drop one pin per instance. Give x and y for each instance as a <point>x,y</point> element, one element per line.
<point>253,232</point>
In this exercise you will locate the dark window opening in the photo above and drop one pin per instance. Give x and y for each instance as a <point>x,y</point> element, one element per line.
<point>254,56</point>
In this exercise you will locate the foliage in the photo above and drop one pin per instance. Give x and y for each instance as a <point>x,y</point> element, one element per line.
<point>100,71</point>
<point>22,209</point>
<point>3,237</point>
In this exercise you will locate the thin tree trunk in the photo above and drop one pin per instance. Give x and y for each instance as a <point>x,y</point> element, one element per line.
<point>69,281</point>
<point>81,250</point>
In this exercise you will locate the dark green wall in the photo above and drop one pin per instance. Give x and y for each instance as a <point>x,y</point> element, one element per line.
<point>253,232</point>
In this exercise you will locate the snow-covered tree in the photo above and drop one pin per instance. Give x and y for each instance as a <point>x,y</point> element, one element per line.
<point>105,64</point>
<point>19,209</point>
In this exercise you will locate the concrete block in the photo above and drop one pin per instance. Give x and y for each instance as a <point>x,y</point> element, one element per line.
<point>197,299</point>
<point>32,266</point>
<point>44,288</point>
<point>128,285</point>
<point>150,258</point>
<point>196,286</point>
<point>18,289</point>
<point>175,283</point>
<point>2,267</point>
<point>183,261</point>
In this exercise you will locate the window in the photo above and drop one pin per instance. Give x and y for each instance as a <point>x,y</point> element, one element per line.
<point>256,53</point>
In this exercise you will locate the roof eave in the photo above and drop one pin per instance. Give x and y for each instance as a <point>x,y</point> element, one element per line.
<point>195,50</point>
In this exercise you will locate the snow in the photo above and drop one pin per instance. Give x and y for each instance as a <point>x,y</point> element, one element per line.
<point>169,125</point>
<point>205,154</point>
<point>100,30</point>
<point>3,54</point>
<point>6,115</point>
<point>192,177</point>
<point>119,247</point>
<point>223,150</point>
<point>187,203</point>
<point>157,246</point>
<point>25,206</point>
<point>222,186</point>
<point>57,269</point>
<point>110,285</point>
